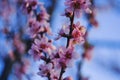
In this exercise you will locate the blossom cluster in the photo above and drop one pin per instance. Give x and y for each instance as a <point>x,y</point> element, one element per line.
<point>77,6</point>
<point>38,20</point>
<point>55,59</point>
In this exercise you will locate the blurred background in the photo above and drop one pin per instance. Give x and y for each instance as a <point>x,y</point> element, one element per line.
<point>100,54</point>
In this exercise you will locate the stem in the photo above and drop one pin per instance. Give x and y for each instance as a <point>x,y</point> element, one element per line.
<point>61,73</point>
<point>71,29</point>
<point>79,74</point>
<point>7,68</point>
<point>68,40</point>
<point>49,76</point>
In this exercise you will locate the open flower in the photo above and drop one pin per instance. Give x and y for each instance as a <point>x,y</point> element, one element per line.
<point>44,45</point>
<point>64,57</point>
<point>45,69</point>
<point>30,5</point>
<point>64,31</point>
<point>34,51</point>
<point>54,74</point>
<point>42,16</point>
<point>77,6</point>
<point>78,33</point>
<point>34,27</point>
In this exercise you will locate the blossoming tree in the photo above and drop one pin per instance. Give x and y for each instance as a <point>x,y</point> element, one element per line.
<point>55,59</point>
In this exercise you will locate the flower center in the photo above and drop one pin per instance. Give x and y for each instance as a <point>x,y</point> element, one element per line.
<point>68,55</point>
<point>76,5</point>
<point>43,46</point>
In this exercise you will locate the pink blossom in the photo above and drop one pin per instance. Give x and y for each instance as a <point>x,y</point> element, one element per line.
<point>54,74</point>
<point>36,27</point>
<point>64,31</point>
<point>44,45</point>
<point>68,13</point>
<point>44,70</point>
<point>34,51</point>
<point>43,15</point>
<point>77,6</point>
<point>38,23</point>
<point>68,53</point>
<point>41,45</point>
<point>19,45</point>
<point>68,57</point>
<point>64,57</point>
<point>21,69</point>
<point>78,33</point>
<point>87,51</point>
<point>42,18</point>
<point>30,5</point>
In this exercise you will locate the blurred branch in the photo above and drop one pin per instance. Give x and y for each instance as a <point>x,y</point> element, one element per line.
<point>51,8</point>
<point>7,69</point>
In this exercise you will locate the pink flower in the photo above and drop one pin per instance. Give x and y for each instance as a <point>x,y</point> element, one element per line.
<point>30,5</point>
<point>64,57</point>
<point>44,45</point>
<point>43,15</point>
<point>34,51</point>
<point>21,69</point>
<point>19,45</point>
<point>64,31</point>
<point>45,70</point>
<point>38,22</point>
<point>78,33</point>
<point>54,74</point>
<point>77,6</point>
<point>42,18</point>
<point>88,51</point>
<point>67,53</point>
<point>36,27</point>
<point>68,13</point>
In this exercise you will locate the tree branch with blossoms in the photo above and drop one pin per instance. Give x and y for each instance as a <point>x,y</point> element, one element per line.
<point>55,60</point>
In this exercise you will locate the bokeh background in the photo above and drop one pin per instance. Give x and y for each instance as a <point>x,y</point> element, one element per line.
<point>104,62</point>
